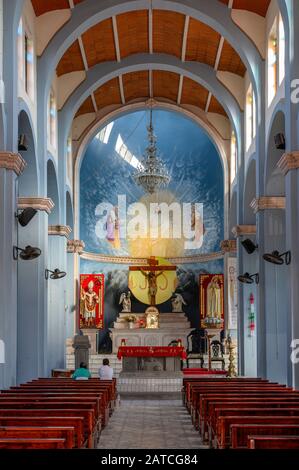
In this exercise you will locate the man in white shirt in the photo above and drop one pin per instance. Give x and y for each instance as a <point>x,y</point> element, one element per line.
<point>105,371</point>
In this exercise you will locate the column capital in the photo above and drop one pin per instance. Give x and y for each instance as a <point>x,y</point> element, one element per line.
<point>268,202</point>
<point>289,161</point>
<point>12,161</point>
<point>241,230</point>
<point>229,246</point>
<point>39,203</point>
<point>75,246</point>
<point>59,230</point>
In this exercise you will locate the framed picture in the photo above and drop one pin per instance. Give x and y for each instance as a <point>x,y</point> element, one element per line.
<point>91,301</point>
<point>211,288</point>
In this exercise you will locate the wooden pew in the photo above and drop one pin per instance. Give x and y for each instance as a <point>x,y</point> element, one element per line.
<point>11,443</point>
<point>43,407</point>
<point>223,435</point>
<point>34,432</point>
<point>83,414</point>
<point>75,423</point>
<point>209,419</point>
<point>240,432</point>
<point>273,442</point>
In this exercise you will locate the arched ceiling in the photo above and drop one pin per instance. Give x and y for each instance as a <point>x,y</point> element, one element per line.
<point>259,7</point>
<point>164,86</point>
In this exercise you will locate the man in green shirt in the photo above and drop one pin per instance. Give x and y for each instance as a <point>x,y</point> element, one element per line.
<point>82,373</point>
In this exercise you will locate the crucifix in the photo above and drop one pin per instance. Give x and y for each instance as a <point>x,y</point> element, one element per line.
<point>151,273</point>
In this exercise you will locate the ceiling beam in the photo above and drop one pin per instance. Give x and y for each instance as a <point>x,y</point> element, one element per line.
<point>180,89</point>
<point>94,102</point>
<point>83,54</point>
<point>150,82</point>
<point>185,37</point>
<point>116,39</point>
<point>208,102</point>
<point>121,89</point>
<point>71,4</point>
<point>150,31</point>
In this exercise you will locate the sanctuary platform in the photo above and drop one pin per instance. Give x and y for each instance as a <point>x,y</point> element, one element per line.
<point>172,326</point>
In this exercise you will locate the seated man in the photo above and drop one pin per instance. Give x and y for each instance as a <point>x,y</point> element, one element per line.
<point>82,373</point>
<point>105,371</point>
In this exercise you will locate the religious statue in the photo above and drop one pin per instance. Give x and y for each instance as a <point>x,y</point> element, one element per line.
<point>214,304</point>
<point>152,317</point>
<point>177,302</point>
<point>90,299</point>
<point>125,300</point>
<point>112,227</point>
<point>151,278</point>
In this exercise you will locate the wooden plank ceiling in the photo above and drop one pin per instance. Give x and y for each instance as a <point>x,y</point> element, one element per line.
<point>259,7</point>
<point>165,86</point>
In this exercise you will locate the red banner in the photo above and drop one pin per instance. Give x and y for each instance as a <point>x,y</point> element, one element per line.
<point>211,300</point>
<point>92,301</point>
<point>151,351</point>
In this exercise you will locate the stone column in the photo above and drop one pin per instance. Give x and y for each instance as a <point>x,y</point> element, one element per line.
<point>11,166</point>
<point>289,165</point>
<point>57,302</point>
<point>274,285</point>
<point>240,231</point>
<point>75,248</point>
<point>32,292</point>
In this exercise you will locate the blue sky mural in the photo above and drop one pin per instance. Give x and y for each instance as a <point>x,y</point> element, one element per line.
<point>196,176</point>
<point>189,155</point>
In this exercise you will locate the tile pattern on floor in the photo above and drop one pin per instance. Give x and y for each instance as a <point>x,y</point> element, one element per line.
<point>150,424</point>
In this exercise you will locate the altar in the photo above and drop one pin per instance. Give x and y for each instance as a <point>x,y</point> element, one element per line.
<point>172,326</point>
<point>151,359</point>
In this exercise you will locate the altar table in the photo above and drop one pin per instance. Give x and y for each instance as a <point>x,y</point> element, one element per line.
<point>151,358</point>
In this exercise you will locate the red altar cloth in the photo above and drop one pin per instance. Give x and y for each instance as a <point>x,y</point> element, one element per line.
<point>151,351</point>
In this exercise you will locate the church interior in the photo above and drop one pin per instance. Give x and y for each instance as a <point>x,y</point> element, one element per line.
<point>149,231</point>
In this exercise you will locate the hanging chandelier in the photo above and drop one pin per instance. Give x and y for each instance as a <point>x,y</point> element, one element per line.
<point>151,174</point>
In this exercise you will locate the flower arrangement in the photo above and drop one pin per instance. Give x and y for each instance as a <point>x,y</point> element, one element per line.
<point>131,318</point>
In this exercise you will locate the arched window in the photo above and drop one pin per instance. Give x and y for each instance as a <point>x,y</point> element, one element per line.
<point>250,117</point>
<point>276,57</point>
<point>282,45</point>
<point>69,156</point>
<point>26,61</point>
<point>52,121</point>
<point>233,157</point>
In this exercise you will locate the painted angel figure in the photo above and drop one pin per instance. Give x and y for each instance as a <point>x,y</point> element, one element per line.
<point>125,300</point>
<point>177,302</point>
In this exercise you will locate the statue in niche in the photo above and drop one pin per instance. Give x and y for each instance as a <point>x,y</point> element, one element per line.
<point>177,303</point>
<point>125,300</point>
<point>214,307</point>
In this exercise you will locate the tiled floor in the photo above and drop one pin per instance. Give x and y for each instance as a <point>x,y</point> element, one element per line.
<point>150,424</point>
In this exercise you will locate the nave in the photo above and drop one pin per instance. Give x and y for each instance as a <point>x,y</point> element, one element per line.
<point>147,423</point>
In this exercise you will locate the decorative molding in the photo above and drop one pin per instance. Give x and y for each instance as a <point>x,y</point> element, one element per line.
<point>229,246</point>
<point>289,161</point>
<point>59,230</point>
<point>39,203</point>
<point>241,230</point>
<point>99,258</point>
<point>12,161</point>
<point>75,246</point>
<point>268,202</point>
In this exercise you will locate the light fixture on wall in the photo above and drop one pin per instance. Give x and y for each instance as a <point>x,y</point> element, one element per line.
<point>278,258</point>
<point>26,216</point>
<point>249,246</point>
<point>56,274</point>
<point>279,141</point>
<point>26,254</point>
<point>22,143</point>
<point>249,278</point>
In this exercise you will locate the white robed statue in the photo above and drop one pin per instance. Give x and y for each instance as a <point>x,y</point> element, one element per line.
<point>177,303</point>
<point>214,304</point>
<point>125,300</point>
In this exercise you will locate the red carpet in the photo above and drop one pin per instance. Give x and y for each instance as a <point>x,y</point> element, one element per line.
<point>203,372</point>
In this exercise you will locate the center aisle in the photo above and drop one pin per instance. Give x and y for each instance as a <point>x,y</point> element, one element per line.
<point>150,424</point>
